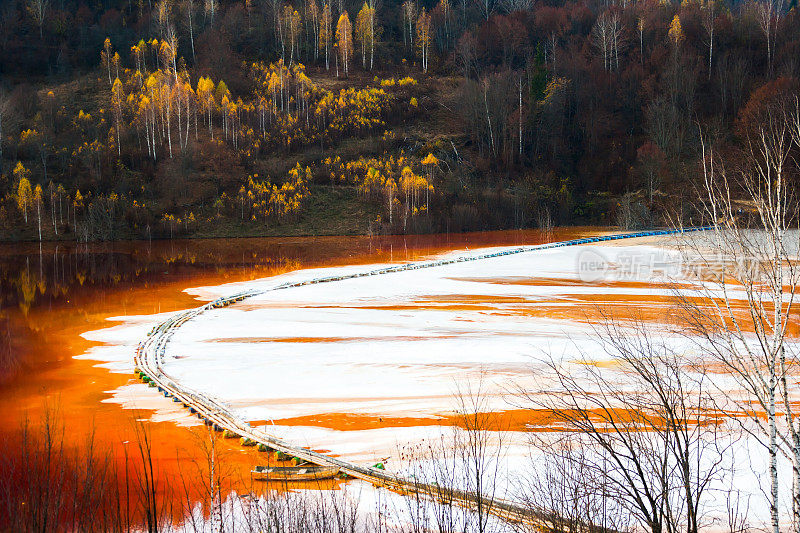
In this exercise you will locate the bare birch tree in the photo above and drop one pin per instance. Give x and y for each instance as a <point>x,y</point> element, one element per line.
<point>190,16</point>
<point>708,20</point>
<point>210,10</point>
<point>751,259</point>
<point>607,37</point>
<point>409,9</point>
<point>768,13</point>
<point>38,10</point>
<point>641,24</point>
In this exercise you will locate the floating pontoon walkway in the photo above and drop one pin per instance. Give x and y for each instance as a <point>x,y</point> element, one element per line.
<point>150,353</point>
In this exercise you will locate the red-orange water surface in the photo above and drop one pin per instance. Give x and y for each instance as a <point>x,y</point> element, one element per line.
<point>506,420</point>
<point>50,294</point>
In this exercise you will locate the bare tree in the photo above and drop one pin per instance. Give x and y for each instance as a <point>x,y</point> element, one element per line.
<point>486,7</point>
<point>5,107</point>
<point>647,449</point>
<point>190,16</point>
<point>460,465</point>
<point>510,6</point>
<point>433,468</point>
<point>210,10</point>
<point>568,493</point>
<point>215,473</point>
<point>409,9</point>
<point>38,10</point>
<point>732,73</point>
<point>768,13</point>
<point>519,112</point>
<point>601,38</point>
<point>544,221</point>
<point>147,482</point>
<point>709,19</point>
<point>479,447</point>
<point>465,53</point>
<point>607,37</point>
<point>751,258</point>
<point>46,485</point>
<point>667,124</point>
<point>641,23</point>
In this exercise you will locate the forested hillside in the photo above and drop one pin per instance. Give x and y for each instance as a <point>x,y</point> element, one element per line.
<point>140,118</point>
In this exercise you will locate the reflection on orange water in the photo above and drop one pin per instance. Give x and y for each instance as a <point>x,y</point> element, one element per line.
<point>49,295</point>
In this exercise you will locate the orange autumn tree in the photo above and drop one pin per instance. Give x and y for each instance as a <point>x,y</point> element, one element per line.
<point>205,93</point>
<point>378,183</point>
<point>676,31</point>
<point>383,178</point>
<point>37,199</point>
<point>344,41</point>
<point>762,105</point>
<point>365,33</point>
<point>291,27</point>
<point>312,22</point>
<point>24,191</point>
<point>412,186</point>
<point>222,102</point>
<point>424,37</point>
<point>287,199</point>
<point>268,200</point>
<point>430,162</point>
<point>138,51</point>
<point>117,101</point>
<point>107,58</point>
<point>325,33</point>
<point>285,109</point>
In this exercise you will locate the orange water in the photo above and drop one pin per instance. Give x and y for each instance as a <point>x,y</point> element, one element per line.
<point>50,294</point>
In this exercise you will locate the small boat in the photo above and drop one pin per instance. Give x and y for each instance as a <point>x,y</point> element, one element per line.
<point>294,473</point>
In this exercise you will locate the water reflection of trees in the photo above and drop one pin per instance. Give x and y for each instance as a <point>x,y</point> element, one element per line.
<point>59,276</point>
<point>49,277</point>
<point>8,359</point>
<point>31,275</point>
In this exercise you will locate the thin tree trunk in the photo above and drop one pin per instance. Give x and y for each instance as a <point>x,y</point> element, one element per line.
<point>191,31</point>
<point>773,456</point>
<point>520,117</point>
<point>710,51</point>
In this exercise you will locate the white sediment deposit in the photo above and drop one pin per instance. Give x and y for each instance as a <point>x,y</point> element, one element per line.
<point>404,344</point>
